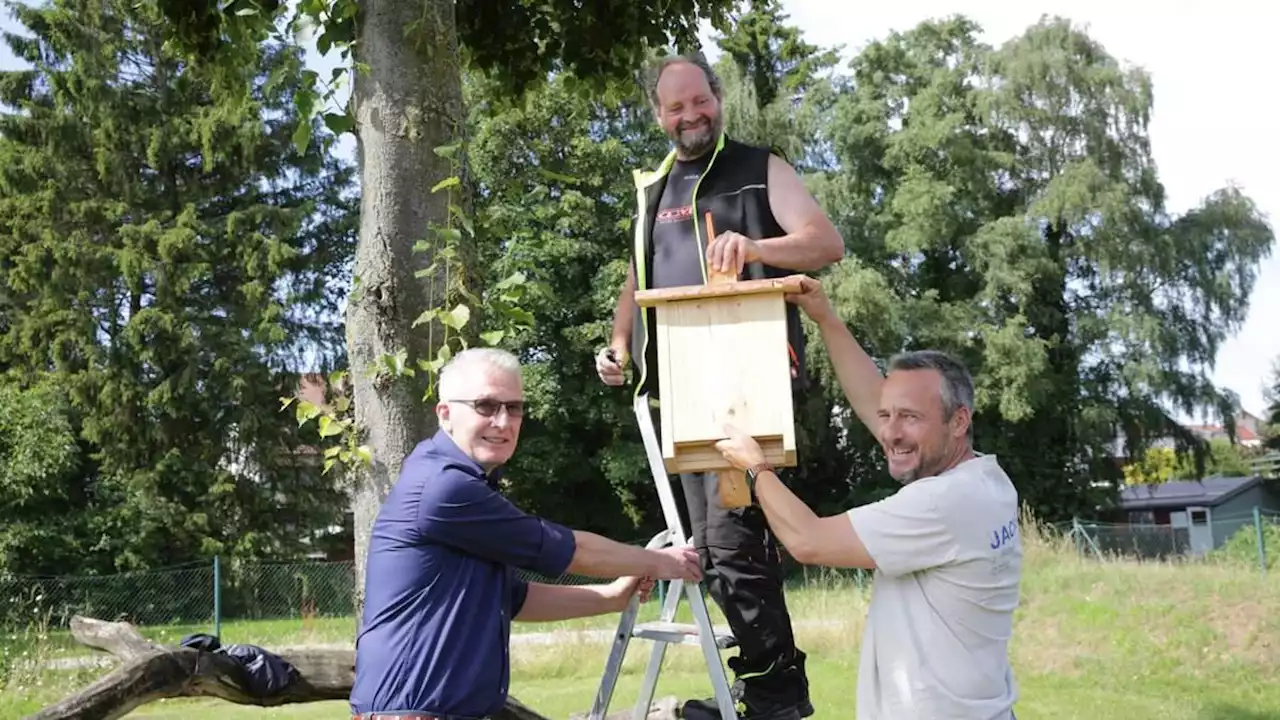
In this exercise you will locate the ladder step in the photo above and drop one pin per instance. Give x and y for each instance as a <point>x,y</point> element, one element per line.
<point>681,633</point>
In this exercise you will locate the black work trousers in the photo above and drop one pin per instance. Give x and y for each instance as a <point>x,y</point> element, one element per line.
<point>742,569</point>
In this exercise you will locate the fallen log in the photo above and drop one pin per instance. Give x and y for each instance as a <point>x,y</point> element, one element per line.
<point>149,672</point>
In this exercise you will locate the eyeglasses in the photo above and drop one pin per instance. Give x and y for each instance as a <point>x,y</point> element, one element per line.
<point>489,407</point>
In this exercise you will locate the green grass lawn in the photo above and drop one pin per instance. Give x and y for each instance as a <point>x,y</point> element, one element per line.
<point>1093,640</point>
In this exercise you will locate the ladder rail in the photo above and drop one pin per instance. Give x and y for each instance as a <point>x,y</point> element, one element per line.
<point>653,450</point>
<point>658,653</point>
<point>707,639</point>
<point>621,640</point>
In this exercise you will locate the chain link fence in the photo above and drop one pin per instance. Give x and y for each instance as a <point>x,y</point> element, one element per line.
<point>1250,537</point>
<point>180,594</point>
<point>208,594</point>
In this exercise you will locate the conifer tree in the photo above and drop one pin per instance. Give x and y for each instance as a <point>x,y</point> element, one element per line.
<point>170,261</point>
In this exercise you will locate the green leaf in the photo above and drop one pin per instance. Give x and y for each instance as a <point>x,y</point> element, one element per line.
<point>328,464</point>
<point>302,135</point>
<point>306,411</point>
<point>425,317</point>
<point>447,151</point>
<point>492,337</point>
<point>520,315</point>
<point>457,317</point>
<point>333,451</point>
<point>365,454</point>
<point>306,96</point>
<point>328,427</point>
<point>450,235</point>
<point>512,280</point>
<point>339,123</point>
<point>446,183</point>
<point>247,11</point>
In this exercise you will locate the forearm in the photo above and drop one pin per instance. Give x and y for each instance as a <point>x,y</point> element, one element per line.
<point>788,516</point>
<point>811,540</point>
<point>624,313</point>
<point>545,603</point>
<point>598,556</point>
<point>812,248</point>
<point>857,372</point>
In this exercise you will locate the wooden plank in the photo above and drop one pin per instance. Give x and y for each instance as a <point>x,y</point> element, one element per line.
<point>714,276</point>
<point>728,363</point>
<point>732,488</point>
<point>659,296</point>
<point>703,457</point>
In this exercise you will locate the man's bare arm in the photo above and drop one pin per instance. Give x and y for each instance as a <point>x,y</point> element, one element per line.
<point>624,314</point>
<point>857,372</point>
<point>811,241</point>
<point>545,603</point>
<point>598,556</point>
<point>811,540</point>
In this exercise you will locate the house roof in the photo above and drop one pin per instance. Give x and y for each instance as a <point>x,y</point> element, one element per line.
<point>1209,492</point>
<point>1244,433</point>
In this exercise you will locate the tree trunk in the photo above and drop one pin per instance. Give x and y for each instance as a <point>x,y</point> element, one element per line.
<point>407,102</point>
<point>151,672</point>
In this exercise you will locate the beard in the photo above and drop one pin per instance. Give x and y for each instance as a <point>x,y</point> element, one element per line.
<point>927,464</point>
<point>696,139</point>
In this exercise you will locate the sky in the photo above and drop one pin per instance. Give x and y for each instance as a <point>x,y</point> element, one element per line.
<point>1212,65</point>
<point>1213,122</point>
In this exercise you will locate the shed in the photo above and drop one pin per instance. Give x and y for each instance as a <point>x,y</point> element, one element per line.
<point>1211,510</point>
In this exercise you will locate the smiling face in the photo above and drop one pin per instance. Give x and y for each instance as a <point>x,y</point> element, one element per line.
<point>917,437</point>
<point>688,110</point>
<point>490,439</point>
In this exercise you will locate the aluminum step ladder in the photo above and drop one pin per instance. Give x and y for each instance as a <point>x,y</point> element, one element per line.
<point>665,631</point>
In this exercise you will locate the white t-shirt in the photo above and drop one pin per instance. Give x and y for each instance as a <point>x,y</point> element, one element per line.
<point>948,564</point>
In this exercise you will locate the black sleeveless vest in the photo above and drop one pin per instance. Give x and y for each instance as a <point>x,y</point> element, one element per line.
<point>734,188</point>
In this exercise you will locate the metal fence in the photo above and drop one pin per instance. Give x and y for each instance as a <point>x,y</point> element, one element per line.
<point>207,594</point>
<point>201,594</point>
<point>1250,537</point>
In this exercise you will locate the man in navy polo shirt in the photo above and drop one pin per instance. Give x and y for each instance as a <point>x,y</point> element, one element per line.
<point>441,587</point>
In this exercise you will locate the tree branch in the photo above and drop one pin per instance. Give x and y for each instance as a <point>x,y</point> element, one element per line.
<point>149,672</point>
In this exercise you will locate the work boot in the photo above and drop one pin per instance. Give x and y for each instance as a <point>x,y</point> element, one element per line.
<point>777,694</point>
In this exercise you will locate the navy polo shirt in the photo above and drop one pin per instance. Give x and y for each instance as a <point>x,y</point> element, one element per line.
<point>441,587</point>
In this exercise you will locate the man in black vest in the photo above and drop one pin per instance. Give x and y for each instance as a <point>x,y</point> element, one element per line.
<point>767,225</point>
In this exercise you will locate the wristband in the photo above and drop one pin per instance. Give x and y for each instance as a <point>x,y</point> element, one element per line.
<point>755,470</point>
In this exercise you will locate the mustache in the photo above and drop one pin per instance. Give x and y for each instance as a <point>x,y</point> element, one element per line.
<point>682,126</point>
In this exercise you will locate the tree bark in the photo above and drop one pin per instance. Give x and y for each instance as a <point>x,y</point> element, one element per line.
<point>407,102</point>
<point>150,672</point>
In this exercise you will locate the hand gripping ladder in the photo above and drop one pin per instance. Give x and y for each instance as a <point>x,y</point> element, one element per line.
<point>665,631</point>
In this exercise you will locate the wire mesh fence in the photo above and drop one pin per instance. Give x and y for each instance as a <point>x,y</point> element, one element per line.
<point>1249,537</point>
<point>208,594</point>
<point>181,594</point>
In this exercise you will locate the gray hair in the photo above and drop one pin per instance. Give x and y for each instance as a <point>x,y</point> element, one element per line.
<point>957,384</point>
<point>696,58</point>
<point>470,358</point>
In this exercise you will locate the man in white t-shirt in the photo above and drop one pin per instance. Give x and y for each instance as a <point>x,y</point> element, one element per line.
<point>945,547</point>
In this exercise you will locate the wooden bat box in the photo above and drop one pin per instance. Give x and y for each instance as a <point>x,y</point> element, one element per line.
<point>723,356</point>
